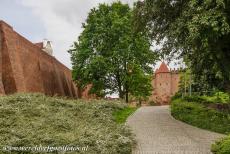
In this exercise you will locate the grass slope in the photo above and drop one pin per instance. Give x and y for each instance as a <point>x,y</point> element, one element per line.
<point>201,116</point>
<point>34,119</point>
<point>222,146</point>
<point>122,115</point>
<point>198,114</point>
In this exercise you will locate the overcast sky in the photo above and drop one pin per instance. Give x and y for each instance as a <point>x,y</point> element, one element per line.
<point>56,20</point>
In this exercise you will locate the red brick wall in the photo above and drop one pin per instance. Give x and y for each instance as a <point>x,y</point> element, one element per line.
<point>85,94</point>
<point>175,82</point>
<point>165,85</point>
<point>24,67</point>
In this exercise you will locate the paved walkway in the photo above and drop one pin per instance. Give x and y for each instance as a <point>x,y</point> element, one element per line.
<point>157,132</point>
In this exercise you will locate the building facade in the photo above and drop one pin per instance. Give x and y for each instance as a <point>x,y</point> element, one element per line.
<point>165,84</point>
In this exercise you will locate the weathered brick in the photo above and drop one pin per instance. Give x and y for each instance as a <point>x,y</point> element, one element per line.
<point>165,84</point>
<point>24,67</point>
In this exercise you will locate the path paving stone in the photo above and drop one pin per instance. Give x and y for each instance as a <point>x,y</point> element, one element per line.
<point>157,132</point>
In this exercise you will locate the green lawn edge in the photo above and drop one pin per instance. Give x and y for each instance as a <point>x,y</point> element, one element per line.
<point>121,115</point>
<point>199,115</point>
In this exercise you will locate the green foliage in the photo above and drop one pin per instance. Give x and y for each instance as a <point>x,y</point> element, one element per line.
<point>198,31</point>
<point>34,119</point>
<point>189,81</point>
<point>152,103</point>
<point>222,146</point>
<point>139,83</point>
<point>186,80</point>
<point>197,99</point>
<point>176,96</point>
<point>218,97</point>
<point>221,97</point>
<point>199,115</point>
<point>121,115</point>
<point>110,55</point>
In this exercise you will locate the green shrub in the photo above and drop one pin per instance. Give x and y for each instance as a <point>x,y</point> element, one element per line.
<point>195,98</point>
<point>222,97</point>
<point>152,103</point>
<point>34,119</point>
<point>199,115</point>
<point>222,146</point>
<point>218,97</point>
<point>176,96</point>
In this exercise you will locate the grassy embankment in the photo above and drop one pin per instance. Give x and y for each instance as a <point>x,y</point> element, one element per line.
<point>32,120</point>
<point>122,115</point>
<point>211,113</point>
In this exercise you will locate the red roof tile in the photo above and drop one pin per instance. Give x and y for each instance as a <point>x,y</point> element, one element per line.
<point>163,68</point>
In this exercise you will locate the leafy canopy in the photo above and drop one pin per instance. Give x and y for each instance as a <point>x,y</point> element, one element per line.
<point>110,55</point>
<point>198,30</point>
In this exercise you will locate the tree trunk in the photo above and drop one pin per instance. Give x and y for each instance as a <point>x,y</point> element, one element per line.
<point>126,89</point>
<point>126,93</point>
<point>126,97</point>
<point>227,86</point>
<point>120,92</point>
<point>79,92</point>
<point>140,102</point>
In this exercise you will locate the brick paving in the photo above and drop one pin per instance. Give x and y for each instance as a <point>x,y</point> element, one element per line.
<point>157,132</point>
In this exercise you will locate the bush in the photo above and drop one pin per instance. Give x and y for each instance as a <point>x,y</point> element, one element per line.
<point>176,96</point>
<point>218,97</point>
<point>222,97</point>
<point>34,119</point>
<point>199,115</point>
<point>195,98</point>
<point>222,146</point>
<point>152,103</point>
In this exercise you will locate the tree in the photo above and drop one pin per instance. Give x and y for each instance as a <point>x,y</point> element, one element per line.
<point>196,29</point>
<point>139,82</point>
<point>108,52</point>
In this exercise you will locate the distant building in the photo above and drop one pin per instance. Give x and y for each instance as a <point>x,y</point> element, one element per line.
<point>165,84</point>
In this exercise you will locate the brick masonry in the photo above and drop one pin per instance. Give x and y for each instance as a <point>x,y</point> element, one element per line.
<point>24,67</point>
<point>165,84</point>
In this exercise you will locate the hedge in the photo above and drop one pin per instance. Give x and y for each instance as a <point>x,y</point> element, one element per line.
<point>199,115</point>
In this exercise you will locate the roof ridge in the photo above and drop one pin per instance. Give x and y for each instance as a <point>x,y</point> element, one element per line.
<point>163,68</point>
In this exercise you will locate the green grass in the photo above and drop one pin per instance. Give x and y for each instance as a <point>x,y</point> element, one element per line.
<point>201,116</point>
<point>34,119</point>
<point>121,115</point>
<point>194,112</point>
<point>222,146</point>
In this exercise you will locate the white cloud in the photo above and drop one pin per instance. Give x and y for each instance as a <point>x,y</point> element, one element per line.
<point>62,20</point>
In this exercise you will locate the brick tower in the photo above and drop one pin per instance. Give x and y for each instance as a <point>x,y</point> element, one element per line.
<point>165,84</point>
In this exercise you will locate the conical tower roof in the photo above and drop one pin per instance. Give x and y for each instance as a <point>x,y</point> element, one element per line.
<point>163,68</point>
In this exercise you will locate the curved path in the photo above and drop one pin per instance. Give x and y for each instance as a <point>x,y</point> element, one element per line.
<point>157,132</point>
